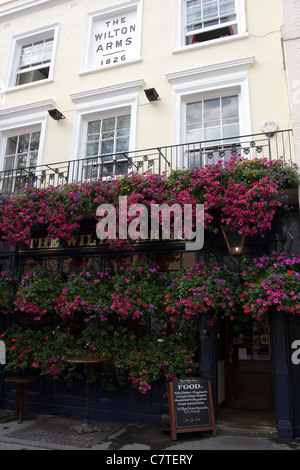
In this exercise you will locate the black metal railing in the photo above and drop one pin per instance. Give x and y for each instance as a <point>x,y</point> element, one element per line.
<point>159,160</point>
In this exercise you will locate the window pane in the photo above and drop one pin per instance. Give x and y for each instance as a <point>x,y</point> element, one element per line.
<point>21,161</point>
<point>9,163</point>
<point>211,133</point>
<point>194,112</point>
<point>111,262</point>
<point>159,260</point>
<point>205,20</point>
<point>123,122</point>
<point>93,132</point>
<point>227,7</point>
<point>212,110</point>
<point>108,128</point>
<point>194,13</point>
<point>25,58</point>
<point>23,143</point>
<point>107,137</point>
<point>123,126</point>
<point>35,141</point>
<point>92,149</point>
<point>11,145</point>
<point>230,116</point>
<point>212,118</point>
<point>194,121</point>
<point>32,159</point>
<point>122,145</point>
<point>48,49</point>
<point>194,134</point>
<point>107,147</point>
<point>231,130</point>
<point>23,150</point>
<point>173,261</point>
<point>220,119</point>
<point>35,53</point>
<point>188,259</point>
<point>230,107</point>
<point>210,9</point>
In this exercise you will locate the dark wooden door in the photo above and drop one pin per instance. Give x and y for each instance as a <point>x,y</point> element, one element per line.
<point>250,365</point>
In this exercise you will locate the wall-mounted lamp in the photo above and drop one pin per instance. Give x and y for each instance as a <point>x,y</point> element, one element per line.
<point>269,128</point>
<point>55,114</point>
<point>234,241</point>
<point>152,94</point>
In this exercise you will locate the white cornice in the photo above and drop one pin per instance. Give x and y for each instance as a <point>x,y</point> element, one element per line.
<point>28,8</point>
<point>24,109</point>
<point>107,92</point>
<point>211,70</point>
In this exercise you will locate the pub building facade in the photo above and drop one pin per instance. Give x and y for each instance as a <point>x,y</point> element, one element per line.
<point>82,89</point>
<point>261,374</point>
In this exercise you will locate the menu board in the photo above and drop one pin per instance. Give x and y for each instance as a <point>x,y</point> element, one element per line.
<point>191,408</point>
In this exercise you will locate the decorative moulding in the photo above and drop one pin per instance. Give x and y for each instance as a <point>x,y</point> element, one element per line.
<point>28,8</point>
<point>107,92</point>
<point>211,70</point>
<point>24,109</point>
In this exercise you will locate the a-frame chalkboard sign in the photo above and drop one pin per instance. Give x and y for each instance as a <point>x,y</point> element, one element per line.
<point>191,406</point>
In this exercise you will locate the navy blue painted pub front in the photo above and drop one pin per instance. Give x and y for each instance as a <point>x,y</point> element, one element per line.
<point>251,365</point>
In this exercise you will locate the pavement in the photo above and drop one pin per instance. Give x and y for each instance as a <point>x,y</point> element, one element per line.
<point>121,440</point>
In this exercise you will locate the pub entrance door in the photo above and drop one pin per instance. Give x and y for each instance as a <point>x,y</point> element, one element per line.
<point>250,384</point>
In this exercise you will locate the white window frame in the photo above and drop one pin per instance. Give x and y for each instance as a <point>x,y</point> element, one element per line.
<point>180,25</point>
<point>15,52</point>
<point>213,95</point>
<point>108,13</point>
<point>101,103</point>
<point>99,159</point>
<point>22,120</point>
<point>223,79</point>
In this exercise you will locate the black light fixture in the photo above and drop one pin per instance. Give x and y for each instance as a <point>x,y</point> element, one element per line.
<point>152,94</point>
<point>234,241</point>
<point>56,115</point>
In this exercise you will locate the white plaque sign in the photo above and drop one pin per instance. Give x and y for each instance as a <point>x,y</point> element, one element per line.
<point>114,38</point>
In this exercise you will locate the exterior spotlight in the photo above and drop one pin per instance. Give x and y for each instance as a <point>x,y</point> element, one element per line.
<point>56,115</point>
<point>152,94</point>
<point>234,241</point>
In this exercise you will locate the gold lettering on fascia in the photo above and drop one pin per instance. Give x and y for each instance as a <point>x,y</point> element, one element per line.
<point>81,241</point>
<point>74,242</point>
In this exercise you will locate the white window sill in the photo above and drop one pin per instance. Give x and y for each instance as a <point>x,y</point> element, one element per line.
<point>27,85</point>
<point>212,42</point>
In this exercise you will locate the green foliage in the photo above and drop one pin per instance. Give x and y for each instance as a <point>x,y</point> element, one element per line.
<point>8,289</point>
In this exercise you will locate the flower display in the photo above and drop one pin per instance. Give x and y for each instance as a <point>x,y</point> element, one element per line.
<point>248,192</point>
<point>40,351</point>
<point>202,289</point>
<point>144,331</point>
<point>58,210</point>
<point>85,293</point>
<point>271,283</point>
<point>36,292</point>
<point>144,320</point>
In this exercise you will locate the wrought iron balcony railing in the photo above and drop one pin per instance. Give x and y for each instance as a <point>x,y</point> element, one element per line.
<point>160,160</point>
